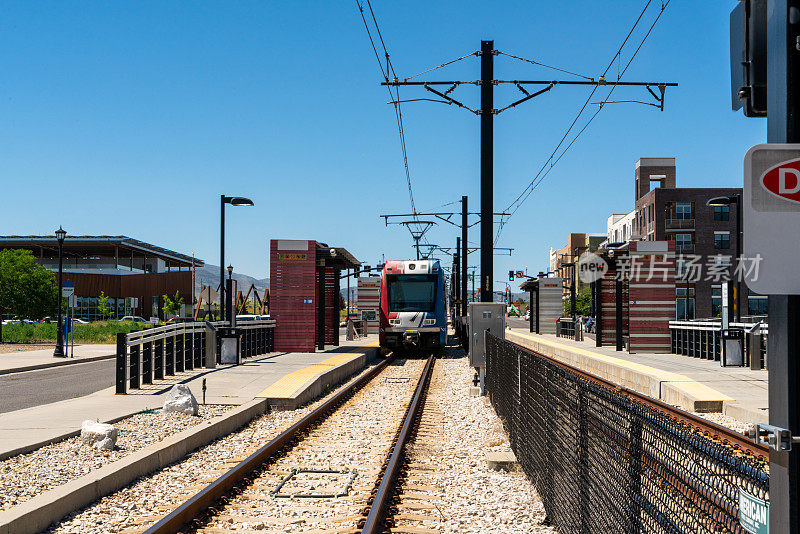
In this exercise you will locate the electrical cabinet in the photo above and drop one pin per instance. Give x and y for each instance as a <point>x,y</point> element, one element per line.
<point>484,316</point>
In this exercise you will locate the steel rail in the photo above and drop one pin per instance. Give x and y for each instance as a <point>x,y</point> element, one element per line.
<point>384,493</point>
<point>723,434</point>
<point>191,509</point>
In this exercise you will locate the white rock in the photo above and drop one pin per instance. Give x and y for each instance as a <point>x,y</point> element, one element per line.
<point>99,435</point>
<point>180,399</point>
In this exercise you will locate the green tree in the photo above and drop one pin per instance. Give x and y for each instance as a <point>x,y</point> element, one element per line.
<point>173,305</point>
<point>103,307</point>
<point>27,289</point>
<point>583,302</point>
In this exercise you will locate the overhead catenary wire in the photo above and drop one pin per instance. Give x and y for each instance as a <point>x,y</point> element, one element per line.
<point>539,63</point>
<point>442,65</point>
<point>545,170</point>
<point>395,98</point>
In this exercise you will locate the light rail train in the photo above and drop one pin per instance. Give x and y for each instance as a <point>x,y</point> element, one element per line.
<point>412,314</point>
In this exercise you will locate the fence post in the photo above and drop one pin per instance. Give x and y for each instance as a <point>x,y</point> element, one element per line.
<point>122,363</point>
<point>180,361</point>
<point>147,363</point>
<point>169,342</point>
<point>159,359</point>
<point>135,380</point>
<point>188,350</point>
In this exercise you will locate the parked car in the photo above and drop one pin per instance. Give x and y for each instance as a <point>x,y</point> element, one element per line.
<point>135,319</point>
<point>251,317</point>
<point>527,316</point>
<point>75,320</point>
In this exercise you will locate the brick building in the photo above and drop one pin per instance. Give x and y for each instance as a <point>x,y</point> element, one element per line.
<point>664,211</point>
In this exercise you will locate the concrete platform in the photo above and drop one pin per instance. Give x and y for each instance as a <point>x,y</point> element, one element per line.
<point>30,428</point>
<point>690,383</point>
<point>30,360</point>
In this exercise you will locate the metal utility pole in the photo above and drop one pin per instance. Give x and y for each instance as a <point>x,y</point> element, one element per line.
<point>487,168</point>
<point>457,278</point>
<point>487,113</point>
<point>783,126</point>
<point>464,253</point>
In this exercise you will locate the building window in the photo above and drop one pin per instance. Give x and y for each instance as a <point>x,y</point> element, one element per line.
<point>722,240</point>
<point>722,213</point>
<point>716,301</point>
<point>683,211</point>
<point>757,304</point>
<point>684,305</point>
<point>683,242</point>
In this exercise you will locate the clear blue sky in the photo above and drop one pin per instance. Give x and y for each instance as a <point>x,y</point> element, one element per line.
<point>132,117</point>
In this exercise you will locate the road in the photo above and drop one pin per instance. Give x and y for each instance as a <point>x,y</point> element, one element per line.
<point>517,322</point>
<point>34,388</point>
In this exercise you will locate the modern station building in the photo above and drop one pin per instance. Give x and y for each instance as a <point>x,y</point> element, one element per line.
<point>134,275</point>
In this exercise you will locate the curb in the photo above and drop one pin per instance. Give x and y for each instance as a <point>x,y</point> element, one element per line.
<point>67,361</point>
<point>38,513</point>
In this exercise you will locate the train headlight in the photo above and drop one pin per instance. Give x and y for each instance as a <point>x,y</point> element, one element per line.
<point>428,322</point>
<point>394,322</point>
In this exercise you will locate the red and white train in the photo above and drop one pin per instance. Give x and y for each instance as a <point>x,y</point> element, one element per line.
<point>412,306</point>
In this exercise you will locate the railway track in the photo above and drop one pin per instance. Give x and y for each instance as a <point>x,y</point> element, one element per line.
<point>335,470</point>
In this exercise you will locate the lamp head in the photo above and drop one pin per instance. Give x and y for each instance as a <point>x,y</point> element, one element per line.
<point>721,201</point>
<point>60,233</point>
<point>240,201</point>
<point>230,270</point>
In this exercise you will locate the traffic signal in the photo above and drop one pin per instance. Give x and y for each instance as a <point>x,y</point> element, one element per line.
<point>510,276</point>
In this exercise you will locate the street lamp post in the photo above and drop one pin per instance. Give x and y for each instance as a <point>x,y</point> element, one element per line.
<point>233,201</point>
<point>727,201</point>
<point>59,350</point>
<point>229,292</point>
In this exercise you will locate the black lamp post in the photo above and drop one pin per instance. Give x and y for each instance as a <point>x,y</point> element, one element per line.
<point>233,201</point>
<point>59,351</point>
<point>229,289</point>
<point>727,201</point>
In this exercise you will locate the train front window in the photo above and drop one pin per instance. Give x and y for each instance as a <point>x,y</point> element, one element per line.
<point>412,292</point>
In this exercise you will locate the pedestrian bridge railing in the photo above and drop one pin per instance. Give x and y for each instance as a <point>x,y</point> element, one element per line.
<point>156,353</point>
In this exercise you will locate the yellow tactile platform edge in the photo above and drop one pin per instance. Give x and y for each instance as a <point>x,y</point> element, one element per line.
<point>693,387</point>
<point>289,384</point>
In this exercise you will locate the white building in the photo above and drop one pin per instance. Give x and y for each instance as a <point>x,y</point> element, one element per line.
<point>620,227</point>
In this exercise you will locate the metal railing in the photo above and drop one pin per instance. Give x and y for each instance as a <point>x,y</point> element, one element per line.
<point>156,353</point>
<point>703,339</point>
<point>568,327</point>
<point>604,460</point>
<point>679,224</point>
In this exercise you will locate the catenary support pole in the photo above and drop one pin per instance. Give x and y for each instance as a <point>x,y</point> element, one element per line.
<point>487,177</point>
<point>457,286</point>
<point>783,126</point>
<point>464,252</point>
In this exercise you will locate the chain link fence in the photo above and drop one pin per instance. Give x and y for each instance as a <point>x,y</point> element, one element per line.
<point>603,462</point>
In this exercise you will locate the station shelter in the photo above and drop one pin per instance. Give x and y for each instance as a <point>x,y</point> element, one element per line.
<point>305,293</point>
<point>636,296</point>
<point>546,303</point>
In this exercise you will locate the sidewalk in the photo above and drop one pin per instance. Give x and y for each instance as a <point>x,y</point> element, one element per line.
<point>690,383</point>
<point>15,362</point>
<point>27,429</point>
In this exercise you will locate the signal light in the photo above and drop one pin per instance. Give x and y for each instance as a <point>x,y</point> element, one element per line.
<point>510,276</point>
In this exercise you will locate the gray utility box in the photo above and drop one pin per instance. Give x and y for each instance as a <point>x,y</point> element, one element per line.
<point>484,316</point>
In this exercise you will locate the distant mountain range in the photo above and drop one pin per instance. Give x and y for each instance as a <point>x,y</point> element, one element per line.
<point>209,275</point>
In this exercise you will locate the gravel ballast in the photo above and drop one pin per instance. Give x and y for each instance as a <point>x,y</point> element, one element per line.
<point>25,476</point>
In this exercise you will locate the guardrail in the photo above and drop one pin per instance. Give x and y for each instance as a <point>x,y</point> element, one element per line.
<point>162,351</point>
<point>703,339</point>
<point>606,460</point>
